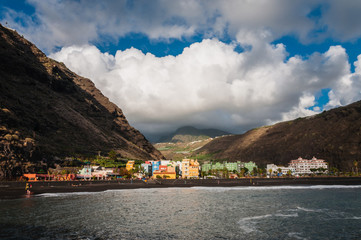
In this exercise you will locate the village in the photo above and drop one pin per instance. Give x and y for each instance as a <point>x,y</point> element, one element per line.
<point>185,169</point>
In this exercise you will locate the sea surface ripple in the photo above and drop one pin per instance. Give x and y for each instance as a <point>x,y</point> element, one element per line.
<point>283,212</point>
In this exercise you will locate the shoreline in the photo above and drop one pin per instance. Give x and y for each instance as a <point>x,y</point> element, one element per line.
<point>13,190</point>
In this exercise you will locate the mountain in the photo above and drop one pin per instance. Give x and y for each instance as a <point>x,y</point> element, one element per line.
<point>46,110</point>
<point>189,134</point>
<point>333,135</point>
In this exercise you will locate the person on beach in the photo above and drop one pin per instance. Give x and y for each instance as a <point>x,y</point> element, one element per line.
<point>27,188</point>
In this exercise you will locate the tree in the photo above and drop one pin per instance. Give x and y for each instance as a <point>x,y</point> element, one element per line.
<point>243,171</point>
<point>313,170</point>
<point>321,170</point>
<point>334,171</point>
<point>112,155</point>
<point>261,171</point>
<point>254,171</point>
<point>124,172</point>
<point>279,171</point>
<point>355,164</point>
<point>270,172</point>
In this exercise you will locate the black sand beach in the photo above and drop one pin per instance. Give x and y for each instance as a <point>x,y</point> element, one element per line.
<point>11,190</point>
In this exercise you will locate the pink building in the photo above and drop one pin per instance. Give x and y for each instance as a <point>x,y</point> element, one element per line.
<point>304,166</point>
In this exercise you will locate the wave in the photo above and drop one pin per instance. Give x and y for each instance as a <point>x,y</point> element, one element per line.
<point>149,190</point>
<point>296,235</point>
<point>286,215</point>
<point>65,194</point>
<point>248,224</point>
<point>310,210</point>
<point>262,188</point>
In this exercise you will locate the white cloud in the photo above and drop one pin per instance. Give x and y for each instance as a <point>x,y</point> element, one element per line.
<point>210,84</point>
<point>66,22</point>
<point>347,89</point>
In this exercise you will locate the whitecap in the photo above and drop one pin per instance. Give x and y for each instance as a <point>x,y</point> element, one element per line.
<point>286,215</point>
<point>262,188</point>
<point>310,210</point>
<point>296,235</point>
<point>65,194</point>
<point>247,224</point>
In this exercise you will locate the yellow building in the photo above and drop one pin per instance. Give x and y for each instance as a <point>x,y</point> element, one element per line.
<point>130,165</point>
<point>166,175</point>
<point>190,168</point>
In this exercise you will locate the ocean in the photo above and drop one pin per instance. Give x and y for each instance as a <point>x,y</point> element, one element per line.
<point>277,212</point>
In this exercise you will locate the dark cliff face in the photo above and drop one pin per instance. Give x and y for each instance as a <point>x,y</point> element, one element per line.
<point>333,135</point>
<point>45,109</point>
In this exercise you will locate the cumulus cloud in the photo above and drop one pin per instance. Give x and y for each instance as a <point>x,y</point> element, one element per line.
<point>58,23</point>
<point>209,84</point>
<point>212,85</point>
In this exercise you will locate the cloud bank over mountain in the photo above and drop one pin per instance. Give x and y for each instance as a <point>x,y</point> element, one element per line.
<point>211,84</point>
<point>240,73</point>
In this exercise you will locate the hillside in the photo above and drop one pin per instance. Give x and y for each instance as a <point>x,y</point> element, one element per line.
<point>46,110</point>
<point>180,150</point>
<point>189,134</point>
<point>333,135</point>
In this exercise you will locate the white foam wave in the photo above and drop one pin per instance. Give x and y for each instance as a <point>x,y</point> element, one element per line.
<point>65,194</point>
<point>262,188</point>
<point>248,224</point>
<point>296,235</point>
<point>310,210</point>
<point>149,190</point>
<point>286,215</point>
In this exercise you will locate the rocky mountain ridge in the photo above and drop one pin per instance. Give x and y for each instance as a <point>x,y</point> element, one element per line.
<point>333,135</point>
<point>47,110</point>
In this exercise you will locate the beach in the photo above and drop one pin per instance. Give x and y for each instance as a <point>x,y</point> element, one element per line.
<point>12,189</point>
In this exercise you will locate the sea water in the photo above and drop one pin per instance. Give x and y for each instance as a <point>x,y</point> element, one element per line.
<point>284,212</point>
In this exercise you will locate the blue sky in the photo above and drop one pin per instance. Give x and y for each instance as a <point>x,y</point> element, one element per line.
<point>231,65</point>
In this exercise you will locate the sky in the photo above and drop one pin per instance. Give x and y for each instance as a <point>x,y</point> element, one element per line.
<point>232,65</point>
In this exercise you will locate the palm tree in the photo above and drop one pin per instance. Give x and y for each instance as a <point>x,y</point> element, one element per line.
<point>254,171</point>
<point>355,163</point>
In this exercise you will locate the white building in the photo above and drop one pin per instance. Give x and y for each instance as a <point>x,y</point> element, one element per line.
<point>304,166</point>
<point>284,170</point>
<point>101,172</point>
<point>165,162</point>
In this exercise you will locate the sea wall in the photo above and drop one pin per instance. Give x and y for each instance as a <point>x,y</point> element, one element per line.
<point>196,182</point>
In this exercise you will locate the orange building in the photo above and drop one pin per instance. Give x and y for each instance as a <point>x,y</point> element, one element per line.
<point>34,177</point>
<point>167,172</point>
<point>190,168</point>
